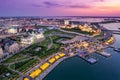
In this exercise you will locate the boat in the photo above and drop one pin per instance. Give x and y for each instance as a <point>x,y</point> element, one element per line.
<point>117,49</point>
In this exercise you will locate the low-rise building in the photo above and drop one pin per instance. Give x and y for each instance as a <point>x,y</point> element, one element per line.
<point>12,47</point>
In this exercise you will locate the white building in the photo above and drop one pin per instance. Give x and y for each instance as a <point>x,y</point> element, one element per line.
<point>85,28</point>
<point>66,22</point>
<point>27,40</point>
<point>32,38</point>
<point>74,26</point>
<point>12,30</point>
<point>39,36</point>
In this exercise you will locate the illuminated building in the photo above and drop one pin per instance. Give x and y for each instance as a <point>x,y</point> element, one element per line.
<point>57,57</point>
<point>52,60</point>
<point>35,73</point>
<point>12,30</point>
<point>110,40</point>
<point>26,79</point>
<point>45,66</point>
<point>38,36</point>
<point>62,54</point>
<point>32,38</point>
<point>85,44</point>
<point>66,22</point>
<point>27,40</point>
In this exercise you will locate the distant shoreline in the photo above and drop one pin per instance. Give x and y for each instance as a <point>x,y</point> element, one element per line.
<point>59,16</point>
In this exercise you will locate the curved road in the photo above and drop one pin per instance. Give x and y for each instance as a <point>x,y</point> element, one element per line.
<point>50,45</point>
<point>75,33</point>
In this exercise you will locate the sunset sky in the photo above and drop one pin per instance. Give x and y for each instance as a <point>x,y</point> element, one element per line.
<point>59,7</point>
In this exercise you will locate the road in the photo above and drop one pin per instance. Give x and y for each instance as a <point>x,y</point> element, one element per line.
<point>51,42</point>
<point>10,35</point>
<point>75,33</point>
<point>15,70</point>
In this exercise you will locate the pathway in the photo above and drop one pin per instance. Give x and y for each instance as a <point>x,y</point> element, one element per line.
<point>51,42</point>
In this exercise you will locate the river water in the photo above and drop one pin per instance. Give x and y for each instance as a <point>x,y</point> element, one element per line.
<point>76,68</point>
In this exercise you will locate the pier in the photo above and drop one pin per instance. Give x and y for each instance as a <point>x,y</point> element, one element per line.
<point>105,54</point>
<point>115,49</point>
<point>90,60</point>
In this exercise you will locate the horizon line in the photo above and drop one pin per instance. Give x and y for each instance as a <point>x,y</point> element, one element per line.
<point>68,16</point>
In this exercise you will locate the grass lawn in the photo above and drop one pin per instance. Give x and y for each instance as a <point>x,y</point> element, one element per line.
<point>56,38</point>
<point>18,56</point>
<point>54,49</point>
<point>43,53</point>
<point>100,35</point>
<point>46,42</point>
<point>4,70</point>
<point>54,31</point>
<point>25,65</point>
<point>30,52</point>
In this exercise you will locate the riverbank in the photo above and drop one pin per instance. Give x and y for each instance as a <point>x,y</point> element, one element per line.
<point>45,67</point>
<point>45,73</point>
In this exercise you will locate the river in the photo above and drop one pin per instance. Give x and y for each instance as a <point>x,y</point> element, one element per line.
<point>76,68</point>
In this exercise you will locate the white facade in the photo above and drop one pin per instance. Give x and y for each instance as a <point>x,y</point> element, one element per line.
<point>31,39</point>
<point>12,30</point>
<point>39,36</point>
<point>28,40</point>
<point>66,22</point>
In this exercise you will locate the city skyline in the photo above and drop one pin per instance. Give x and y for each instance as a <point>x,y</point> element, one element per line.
<point>59,8</point>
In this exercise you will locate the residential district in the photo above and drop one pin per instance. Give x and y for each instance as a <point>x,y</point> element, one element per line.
<point>31,47</point>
